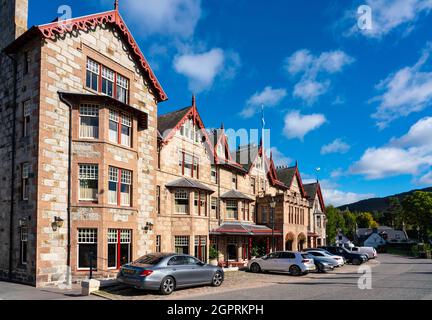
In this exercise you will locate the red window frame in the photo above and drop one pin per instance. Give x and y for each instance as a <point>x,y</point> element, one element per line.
<point>193,165</point>
<point>121,116</point>
<point>119,183</point>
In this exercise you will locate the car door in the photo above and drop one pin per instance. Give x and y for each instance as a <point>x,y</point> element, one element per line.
<point>286,259</point>
<point>200,273</point>
<point>181,270</point>
<point>270,262</point>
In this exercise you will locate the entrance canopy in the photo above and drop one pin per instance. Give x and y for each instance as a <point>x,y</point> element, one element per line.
<point>239,228</point>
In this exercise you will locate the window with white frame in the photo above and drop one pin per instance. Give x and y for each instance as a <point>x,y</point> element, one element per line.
<point>23,245</point>
<point>93,71</point>
<point>26,118</point>
<point>181,244</point>
<point>234,181</point>
<point>107,81</point>
<point>213,174</point>
<point>88,182</point>
<point>120,123</point>
<point>89,121</point>
<point>181,199</point>
<point>190,131</point>
<point>119,186</point>
<point>122,89</point>
<point>119,247</point>
<point>25,172</point>
<point>232,209</point>
<point>87,248</point>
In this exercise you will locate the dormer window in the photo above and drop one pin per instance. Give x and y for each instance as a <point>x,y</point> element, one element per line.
<point>190,131</point>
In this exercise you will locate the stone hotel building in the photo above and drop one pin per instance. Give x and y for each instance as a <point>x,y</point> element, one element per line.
<point>93,176</point>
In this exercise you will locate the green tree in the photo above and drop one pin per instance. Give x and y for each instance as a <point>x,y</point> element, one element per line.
<point>417,210</point>
<point>350,224</point>
<point>366,220</point>
<point>393,215</point>
<point>335,221</point>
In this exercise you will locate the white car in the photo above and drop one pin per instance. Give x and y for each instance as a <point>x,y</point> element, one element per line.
<point>296,263</point>
<point>325,254</point>
<point>369,251</point>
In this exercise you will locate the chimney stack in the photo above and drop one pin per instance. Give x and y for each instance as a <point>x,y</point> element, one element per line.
<point>13,20</point>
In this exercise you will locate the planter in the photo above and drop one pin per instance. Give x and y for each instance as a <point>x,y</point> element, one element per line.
<point>213,262</point>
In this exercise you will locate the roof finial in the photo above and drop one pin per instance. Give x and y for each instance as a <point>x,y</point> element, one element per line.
<point>116,5</point>
<point>193,101</point>
<point>296,164</point>
<point>271,155</point>
<point>222,126</point>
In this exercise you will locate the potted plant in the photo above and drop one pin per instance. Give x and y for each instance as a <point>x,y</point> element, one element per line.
<point>213,256</point>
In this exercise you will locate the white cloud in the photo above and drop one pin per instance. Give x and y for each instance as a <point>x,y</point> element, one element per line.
<point>337,146</point>
<point>406,91</point>
<point>426,179</point>
<point>279,158</point>
<point>411,154</point>
<point>298,125</point>
<point>388,15</point>
<point>337,197</point>
<point>311,67</point>
<point>269,97</point>
<point>167,17</point>
<point>202,68</point>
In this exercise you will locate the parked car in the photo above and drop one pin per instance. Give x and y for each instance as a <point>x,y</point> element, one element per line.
<point>325,254</point>
<point>166,272</point>
<point>296,263</point>
<point>350,257</point>
<point>323,264</point>
<point>369,251</point>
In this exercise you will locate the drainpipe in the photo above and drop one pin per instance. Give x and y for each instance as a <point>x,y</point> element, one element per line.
<point>69,192</point>
<point>12,186</point>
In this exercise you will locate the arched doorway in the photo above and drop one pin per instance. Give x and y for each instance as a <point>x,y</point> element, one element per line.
<point>301,242</point>
<point>289,240</point>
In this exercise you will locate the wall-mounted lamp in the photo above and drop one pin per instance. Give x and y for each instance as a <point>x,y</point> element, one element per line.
<point>22,222</point>
<point>58,223</point>
<point>148,227</point>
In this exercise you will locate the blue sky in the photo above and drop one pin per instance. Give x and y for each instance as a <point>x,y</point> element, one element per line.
<point>355,103</point>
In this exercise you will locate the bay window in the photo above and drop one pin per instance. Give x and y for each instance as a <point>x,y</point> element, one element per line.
<point>232,209</point>
<point>200,203</point>
<point>119,247</point>
<point>87,248</point>
<point>181,199</point>
<point>88,182</point>
<point>119,187</point>
<point>89,121</point>
<point>120,128</point>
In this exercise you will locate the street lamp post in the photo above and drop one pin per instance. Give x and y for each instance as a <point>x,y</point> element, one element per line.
<point>273,206</point>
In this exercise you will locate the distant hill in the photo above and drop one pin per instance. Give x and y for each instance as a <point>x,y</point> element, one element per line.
<point>377,204</point>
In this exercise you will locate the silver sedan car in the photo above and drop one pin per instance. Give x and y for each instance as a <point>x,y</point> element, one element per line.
<point>296,263</point>
<point>166,272</point>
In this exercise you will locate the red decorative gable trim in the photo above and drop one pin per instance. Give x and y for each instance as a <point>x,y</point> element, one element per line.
<point>297,174</point>
<point>321,198</point>
<point>54,29</point>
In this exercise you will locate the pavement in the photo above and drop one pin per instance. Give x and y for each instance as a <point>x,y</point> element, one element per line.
<point>391,277</point>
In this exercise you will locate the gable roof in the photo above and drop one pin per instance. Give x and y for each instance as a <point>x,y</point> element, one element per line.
<point>313,189</point>
<point>246,156</point>
<point>55,29</point>
<point>286,175</point>
<point>169,121</point>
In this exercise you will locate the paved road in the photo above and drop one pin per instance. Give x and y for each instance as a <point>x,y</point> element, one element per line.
<point>393,277</point>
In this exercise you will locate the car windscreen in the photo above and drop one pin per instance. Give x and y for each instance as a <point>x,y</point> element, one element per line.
<point>150,259</point>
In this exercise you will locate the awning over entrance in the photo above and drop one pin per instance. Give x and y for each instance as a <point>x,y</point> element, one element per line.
<point>238,228</point>
<point>188,184</point>
<point>313,234</point>
<point>234,194</point>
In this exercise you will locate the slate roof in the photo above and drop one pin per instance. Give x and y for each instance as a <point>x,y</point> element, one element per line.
<point>234,194</point>
<point>392,234</point>
<point>286,175</point>
<point>311,190</point>
<point>246,156</point>
<point>188,184</point>
<point>169,121</point>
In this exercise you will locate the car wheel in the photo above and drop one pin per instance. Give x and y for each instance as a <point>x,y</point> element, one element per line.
<point>356,261</point>
<point>255,267</point>
<point>295,271</point>
<point>217,279</point>
<point>167,286</point>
